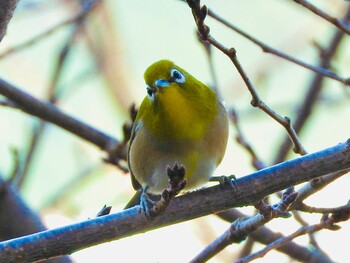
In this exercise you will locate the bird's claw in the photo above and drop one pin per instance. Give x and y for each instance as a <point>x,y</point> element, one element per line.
<point>226,180</point>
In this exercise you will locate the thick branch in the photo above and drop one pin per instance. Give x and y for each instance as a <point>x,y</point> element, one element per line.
<point>50,113</point>
<point>6,11</point>
<point>250,189</point>
<point>18,219</point>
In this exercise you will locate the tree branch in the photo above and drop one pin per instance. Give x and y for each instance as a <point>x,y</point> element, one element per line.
<point>341,25</point>
<point>266,236</point>
<point>18,218</point>
<point>50,113</point>
<point>326,223</point>
<point>250,189</point>
<point>312,94</point>
<point>268,49</point>
<point>7,7</point>
<point>199,14</point>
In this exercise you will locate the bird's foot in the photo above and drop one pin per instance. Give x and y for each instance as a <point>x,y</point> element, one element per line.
<point>177,183</point>
<point>226,180</point>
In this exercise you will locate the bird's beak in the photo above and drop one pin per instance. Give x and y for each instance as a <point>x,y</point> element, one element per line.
<point>161,83</point>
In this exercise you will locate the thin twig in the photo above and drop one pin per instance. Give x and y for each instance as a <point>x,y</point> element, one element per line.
<point>302,222</point>
<point>199,14</point>
<point>340,24</point>
<point>328,223</point>
<point>324,210</point>
<point>265,236</point>
<point>316,185</point>
<point>256,161</point>
<point>50,113</point>
<point>7,8</point>
<point>304,111</point>
<point>52,97</point>
<point>241,228</point>
<point>268,49</point>
<point>88,7</point>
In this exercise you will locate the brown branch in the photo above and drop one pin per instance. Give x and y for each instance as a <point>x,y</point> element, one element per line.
<point>265,236</point>
<point>50,113</point>
<point>324,210</point>
<point>18,219</point>
<point>250,189</point>
<point>52,97</point>
<point>87,8</point>
<point>326,223</point>
<point>199,14</point>
<point>316,185</point>
<point>7,7</point>
<point>233,116</point>
<point>256,161</point>
<point>241,228</point>
<point>268,49</point>
<point>298,218</point>
<point>312,95</point>
<point>340,24</point>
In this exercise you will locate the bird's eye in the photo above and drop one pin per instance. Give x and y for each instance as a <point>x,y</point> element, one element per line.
<point>150,92</point>
<point>177,76</point>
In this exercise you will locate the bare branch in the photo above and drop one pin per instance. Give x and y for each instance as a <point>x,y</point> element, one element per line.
<point>256,161</point>
<point>199,14</point>
<point>324,210</point>
<point>7,7</point>
<point>50,113</point>
<point>250,189</point>
<point>268,49</point>
<point>18,218</point>
<point>304,111</point>
<point>87,8</point>
<point>316,185</point>
<point>340,24</point>
<point>265,236</point>
<point>327,223</point>
<point>241,228</point>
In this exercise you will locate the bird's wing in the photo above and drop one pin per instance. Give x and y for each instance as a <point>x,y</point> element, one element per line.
<point>136,127</point>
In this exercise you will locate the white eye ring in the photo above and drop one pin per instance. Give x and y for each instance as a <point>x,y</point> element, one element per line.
<point>177,76</point>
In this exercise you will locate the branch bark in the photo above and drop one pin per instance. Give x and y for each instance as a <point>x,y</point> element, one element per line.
<point>50,113</point>
<point>18,218</point>
<point>312,94</point>
<point>6,11</point>
<point>250,189</point>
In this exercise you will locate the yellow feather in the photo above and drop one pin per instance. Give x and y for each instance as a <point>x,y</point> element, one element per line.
<point>181,121</point>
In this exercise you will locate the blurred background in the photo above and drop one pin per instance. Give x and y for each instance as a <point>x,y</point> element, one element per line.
<point>101,75</point>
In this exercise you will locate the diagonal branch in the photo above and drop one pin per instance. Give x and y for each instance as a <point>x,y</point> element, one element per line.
<point>268,49</point>
<point>50,113</point>
<point>311,97</point>
<point>326,223</point>
<point>88,6</point>
<point>7,7</point>
<point>250,189</point>
<point>199,14</point>
<point>340,24</point>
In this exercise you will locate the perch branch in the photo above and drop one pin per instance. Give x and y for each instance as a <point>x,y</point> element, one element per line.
<point>250,189</point>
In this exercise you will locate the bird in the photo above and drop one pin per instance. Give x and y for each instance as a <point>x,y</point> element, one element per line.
<point>180,121</point>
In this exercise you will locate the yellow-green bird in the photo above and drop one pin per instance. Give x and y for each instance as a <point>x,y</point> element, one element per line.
<point>181,121</point>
